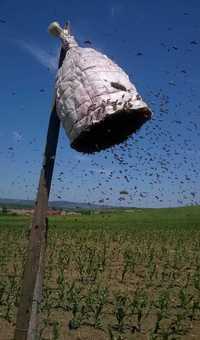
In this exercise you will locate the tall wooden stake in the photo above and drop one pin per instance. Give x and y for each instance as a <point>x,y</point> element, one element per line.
<point>31,294</point>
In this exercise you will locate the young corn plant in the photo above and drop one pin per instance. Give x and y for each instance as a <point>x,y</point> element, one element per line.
<point>139,308</point>
<point>88,263</point>
<point>61,285</point>
<point>151,272</point>
<point>120,311</point>
<point>104,256</point>
<point>196,279</point>
<point>65,294</point>
<point>195,309</point>
<point>46,306</point>
<point>44,325</point>
<point>185,299</point>
<point>95,303</point>
<point>162,305</point>
<point>129,263</point>
<point>77,307</point>
<point>10,298</point>
<point>113,336</point>
<point>2,295</point>
<point>55,330</point>
<point>178,325</point>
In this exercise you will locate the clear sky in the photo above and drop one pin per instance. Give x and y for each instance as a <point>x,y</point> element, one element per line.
<point>158,45</point>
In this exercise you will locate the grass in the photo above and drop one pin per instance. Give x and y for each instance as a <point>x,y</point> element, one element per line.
<point>116,275</point>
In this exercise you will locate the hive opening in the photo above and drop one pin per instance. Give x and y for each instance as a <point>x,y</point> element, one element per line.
<point>114,129</point>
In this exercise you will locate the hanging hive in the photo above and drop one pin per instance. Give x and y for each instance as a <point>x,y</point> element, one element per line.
<point>95,100</point>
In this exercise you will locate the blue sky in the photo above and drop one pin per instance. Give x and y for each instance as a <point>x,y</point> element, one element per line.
<point>157,43</point>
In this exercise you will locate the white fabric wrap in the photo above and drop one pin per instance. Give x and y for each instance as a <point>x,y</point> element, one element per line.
<point>90,86</point>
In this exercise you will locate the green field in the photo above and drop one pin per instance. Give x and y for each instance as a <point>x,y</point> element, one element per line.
<point>132,274</point>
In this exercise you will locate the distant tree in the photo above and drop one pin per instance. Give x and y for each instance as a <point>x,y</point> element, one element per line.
<point>86,212</point>
<point>4,210</point>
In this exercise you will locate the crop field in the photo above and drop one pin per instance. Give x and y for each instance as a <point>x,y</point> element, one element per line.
<point>120,275</point>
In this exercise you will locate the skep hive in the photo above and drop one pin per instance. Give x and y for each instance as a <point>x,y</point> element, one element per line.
<point>95,100</point>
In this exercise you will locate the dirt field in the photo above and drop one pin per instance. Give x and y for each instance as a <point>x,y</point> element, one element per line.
<point>121,275</point>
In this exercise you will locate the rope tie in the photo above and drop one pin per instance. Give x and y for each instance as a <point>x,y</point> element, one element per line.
<point>67,39</point>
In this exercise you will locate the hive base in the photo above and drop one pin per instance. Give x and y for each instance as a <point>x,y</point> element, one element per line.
<point>114,129</point>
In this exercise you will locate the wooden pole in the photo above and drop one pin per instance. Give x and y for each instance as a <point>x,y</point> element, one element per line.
<point>31,294</point>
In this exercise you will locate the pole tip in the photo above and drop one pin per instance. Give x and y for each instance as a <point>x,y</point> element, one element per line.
<point>55,29</point>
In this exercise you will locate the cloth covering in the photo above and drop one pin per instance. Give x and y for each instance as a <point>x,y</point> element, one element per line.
<point>89,88</point>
